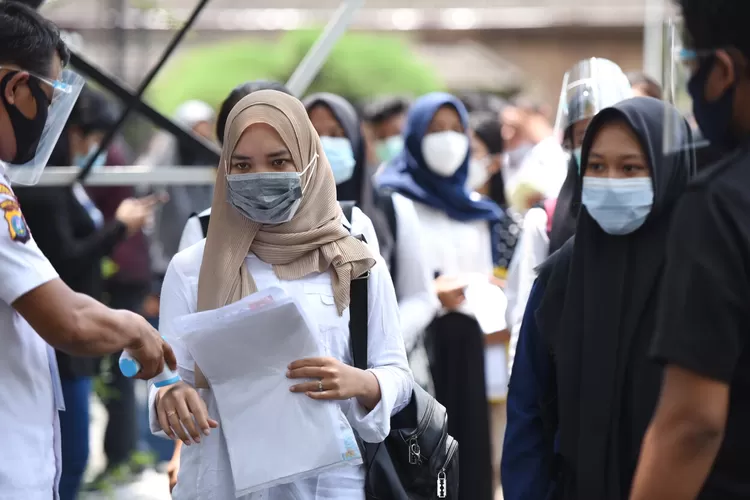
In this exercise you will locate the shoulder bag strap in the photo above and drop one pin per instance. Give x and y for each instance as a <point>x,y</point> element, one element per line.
<point>358,321</point>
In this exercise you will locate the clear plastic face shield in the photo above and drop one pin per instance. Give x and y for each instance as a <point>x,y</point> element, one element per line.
<point>32,152</point>
<point>679,64</point>
<point>588,87</point>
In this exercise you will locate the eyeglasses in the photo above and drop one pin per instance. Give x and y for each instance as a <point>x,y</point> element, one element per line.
<point>58,87</point>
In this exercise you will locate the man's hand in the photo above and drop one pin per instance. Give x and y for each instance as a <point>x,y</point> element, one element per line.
<point>149,349</point>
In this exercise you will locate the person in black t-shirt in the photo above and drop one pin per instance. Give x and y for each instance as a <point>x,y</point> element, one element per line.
<point>698,441</point>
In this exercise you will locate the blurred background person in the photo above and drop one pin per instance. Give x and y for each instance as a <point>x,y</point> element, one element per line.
<point>534,166</point>
<point>395,218</point>
<point>643,85</point>
<point>185,200</point>
<point>340,131</point>
<point>72,232</point>
<point>484,178</point>
<point>432,171</point>
<point>385,118</point>
<point>588,87</point>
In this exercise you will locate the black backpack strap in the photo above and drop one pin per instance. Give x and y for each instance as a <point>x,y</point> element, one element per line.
<point>386,205</point>
<point>358,321</point>
<point>348,208</point>
<point>357,304</point>
<point>204,220</point>
<point>358,311</point>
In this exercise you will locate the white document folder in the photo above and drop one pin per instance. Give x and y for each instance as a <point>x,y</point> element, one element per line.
<point>273,436</point>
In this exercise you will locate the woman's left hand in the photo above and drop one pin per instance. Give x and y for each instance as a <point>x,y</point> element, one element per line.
<point>336,380</point>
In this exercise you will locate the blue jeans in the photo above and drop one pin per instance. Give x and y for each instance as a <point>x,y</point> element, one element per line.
<point>74,426</point>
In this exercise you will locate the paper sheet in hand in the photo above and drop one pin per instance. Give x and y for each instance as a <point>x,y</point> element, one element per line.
<point>273,436</point>
<point>496,372</point>
<point>488,304</point>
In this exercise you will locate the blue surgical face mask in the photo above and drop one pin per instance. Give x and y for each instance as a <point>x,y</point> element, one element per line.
<point>340,155</point>
<point>714,118</point>
<point>619,206</point>
<point>81,160</point>
<point>389,148</point>
<point>268,197</point>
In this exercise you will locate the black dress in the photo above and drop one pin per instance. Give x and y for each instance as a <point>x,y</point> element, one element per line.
<point>455,346</point>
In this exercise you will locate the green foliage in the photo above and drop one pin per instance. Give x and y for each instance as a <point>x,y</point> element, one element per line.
<point>360,66</point>
<point>363,65</point>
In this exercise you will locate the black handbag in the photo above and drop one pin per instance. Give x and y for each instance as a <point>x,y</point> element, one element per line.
<point>419,459</point>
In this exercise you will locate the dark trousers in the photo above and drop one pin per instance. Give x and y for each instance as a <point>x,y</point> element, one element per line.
<point>121,437</point>
<point>455,346</point>
<point>74,429</point>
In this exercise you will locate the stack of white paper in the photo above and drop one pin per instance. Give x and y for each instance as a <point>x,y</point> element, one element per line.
<point>273,436</point>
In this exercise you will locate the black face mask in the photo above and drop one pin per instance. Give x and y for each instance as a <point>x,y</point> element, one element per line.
<point>28,131</point>
<point>714,118</point>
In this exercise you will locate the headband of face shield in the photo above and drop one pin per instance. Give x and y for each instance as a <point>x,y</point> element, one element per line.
<point>680,64</point>
<point>36,136</point>
<point>588,87</point>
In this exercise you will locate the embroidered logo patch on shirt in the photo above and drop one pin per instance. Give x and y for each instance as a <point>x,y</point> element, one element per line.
<point>17,227</point>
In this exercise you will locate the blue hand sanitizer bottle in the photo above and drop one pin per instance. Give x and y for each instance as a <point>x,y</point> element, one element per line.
<point>130,367</point>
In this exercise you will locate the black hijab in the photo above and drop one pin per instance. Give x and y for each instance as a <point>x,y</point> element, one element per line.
<point>566,208</point>
<point>598,315</point>
<point>488,128</point>
<point>359,188</point>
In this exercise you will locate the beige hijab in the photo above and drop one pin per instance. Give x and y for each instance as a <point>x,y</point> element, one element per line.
<point>313,241</point>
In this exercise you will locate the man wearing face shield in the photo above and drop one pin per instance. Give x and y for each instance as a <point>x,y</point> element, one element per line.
<point>588,87</point>
<point>37,310</point>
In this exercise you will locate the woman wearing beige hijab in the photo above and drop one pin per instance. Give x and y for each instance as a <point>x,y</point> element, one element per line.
<point>275,222</point>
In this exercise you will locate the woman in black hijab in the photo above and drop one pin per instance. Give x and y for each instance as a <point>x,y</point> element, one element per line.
<point>340,129</point>
<point>598,309</point>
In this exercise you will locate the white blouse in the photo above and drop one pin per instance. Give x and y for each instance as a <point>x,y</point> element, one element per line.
<point>417,298</point>
<point>453,247</point>
<point>531,251</point>
<point>204,468</point>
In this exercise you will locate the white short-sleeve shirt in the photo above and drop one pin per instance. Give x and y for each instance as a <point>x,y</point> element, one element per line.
<point>29,424</point>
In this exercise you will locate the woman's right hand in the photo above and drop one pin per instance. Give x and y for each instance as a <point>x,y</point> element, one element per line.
<point>136,212</point>
<point>183,412</point>
<point>450,290</point>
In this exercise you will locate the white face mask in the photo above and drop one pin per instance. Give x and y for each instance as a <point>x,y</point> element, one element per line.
<point>478,173</point>
<point>445,151</point>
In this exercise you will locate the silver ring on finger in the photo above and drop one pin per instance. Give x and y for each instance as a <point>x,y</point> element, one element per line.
<point>170,413</point>
<point>320,386</point>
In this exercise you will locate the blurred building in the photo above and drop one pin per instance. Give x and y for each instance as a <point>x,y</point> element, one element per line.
<point>474,44</point>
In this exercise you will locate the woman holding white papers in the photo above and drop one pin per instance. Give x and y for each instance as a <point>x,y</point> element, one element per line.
<point>275,223</point>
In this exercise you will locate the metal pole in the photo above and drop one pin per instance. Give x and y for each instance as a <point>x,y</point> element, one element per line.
<point>654,11</point>
<point>313,61</point>
<point>107,140</point>
<point>131,100</point>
